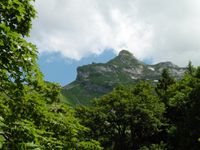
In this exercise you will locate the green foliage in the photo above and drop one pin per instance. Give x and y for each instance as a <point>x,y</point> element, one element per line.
<point>163,84</point>
<point>17,15</point>
<point>18,57</point>
<point>76,94</point>
<point>31,116</point>
<point>91,145</point>
<point>32,119</point>
<point>124,118</point>
<point>137,117</point>
<point>190,68</point>
<point>160,146</point>
<point>183,112</point>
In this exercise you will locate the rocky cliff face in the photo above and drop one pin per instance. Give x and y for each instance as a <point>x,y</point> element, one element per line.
<point>94,80</point>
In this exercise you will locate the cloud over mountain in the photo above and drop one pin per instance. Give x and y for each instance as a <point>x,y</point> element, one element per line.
<point>161,30</point>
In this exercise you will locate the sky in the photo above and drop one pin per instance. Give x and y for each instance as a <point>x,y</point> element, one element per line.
<point>68,32</point>
<point>57,68</point>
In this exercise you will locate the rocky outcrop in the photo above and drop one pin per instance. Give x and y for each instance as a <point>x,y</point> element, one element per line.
<point>97,79</point>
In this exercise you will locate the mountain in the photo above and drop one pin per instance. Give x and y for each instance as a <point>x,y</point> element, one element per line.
<point>97,79</point>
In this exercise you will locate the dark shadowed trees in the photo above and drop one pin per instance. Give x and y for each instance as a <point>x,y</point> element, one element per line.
<point>126,118</point>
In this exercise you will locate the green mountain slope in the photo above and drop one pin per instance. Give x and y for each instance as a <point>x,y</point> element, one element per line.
<point>97,79</point>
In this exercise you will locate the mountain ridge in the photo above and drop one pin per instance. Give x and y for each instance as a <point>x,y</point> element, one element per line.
<point>96,79</point>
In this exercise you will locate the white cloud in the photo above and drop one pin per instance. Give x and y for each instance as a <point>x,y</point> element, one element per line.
<point>162,30</point>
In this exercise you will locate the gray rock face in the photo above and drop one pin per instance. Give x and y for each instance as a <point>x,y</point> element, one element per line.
<point>100,78</point>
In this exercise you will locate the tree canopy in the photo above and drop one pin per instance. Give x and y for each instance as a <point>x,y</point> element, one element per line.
<point>31,116</point>
<point>127,117</point>
<point>147,116</point>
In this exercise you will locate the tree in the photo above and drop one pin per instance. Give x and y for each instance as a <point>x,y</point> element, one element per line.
<point>190,68</point>
<point>18,57</point>
<point>126,118</point>
<point>163,84</point>
<point>18,60</point>
<point>30,114</point>
<point>184,113</point>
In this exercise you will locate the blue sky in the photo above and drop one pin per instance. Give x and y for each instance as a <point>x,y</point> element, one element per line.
<point>57,68</point>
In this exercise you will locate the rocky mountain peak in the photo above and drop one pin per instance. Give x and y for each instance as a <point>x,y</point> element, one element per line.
<point>125,53</point>
<point>124,59</point>
<point>167,64</point>
<point>97,79</point>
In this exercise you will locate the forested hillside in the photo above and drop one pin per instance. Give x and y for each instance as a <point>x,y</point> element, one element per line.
<point>139,116</point>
